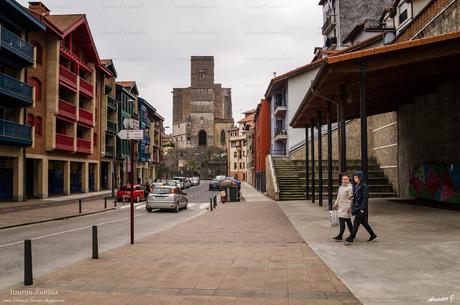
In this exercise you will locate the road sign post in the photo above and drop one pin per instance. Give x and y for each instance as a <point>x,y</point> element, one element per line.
<point>132,192</point>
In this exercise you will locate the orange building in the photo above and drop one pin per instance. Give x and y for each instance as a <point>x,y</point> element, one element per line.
<point>261,142</point>
<point>69,87</point>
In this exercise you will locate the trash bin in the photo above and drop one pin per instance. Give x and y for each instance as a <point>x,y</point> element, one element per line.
<point>233,194</point>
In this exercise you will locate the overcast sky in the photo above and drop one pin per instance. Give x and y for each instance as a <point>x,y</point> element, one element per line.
<point>151,42</point>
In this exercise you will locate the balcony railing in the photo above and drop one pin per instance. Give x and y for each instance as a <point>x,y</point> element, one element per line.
<point>86,87</point>
<point>280,110</point>
<point>64,142</point>
<point>146,139</point>
<point>13,133</point>
<point>329,24</point>
<point>111,103</point>
<point>83,146</point>
<point>85,117</point>
<point>67,109</point>
<point>14,91</point>
<point>111,127</point>
<point>108,151</point>
<point>17,46</point>
<point>280,134</point>
<point>68,77</point>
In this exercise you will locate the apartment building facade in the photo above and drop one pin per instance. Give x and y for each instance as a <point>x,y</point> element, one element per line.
<point>17,94</point>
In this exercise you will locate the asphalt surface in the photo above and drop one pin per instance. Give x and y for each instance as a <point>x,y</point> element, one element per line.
<point>56,244</point>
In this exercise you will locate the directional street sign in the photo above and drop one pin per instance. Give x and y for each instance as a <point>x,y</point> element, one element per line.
<point>131,134</point>
<point>131,123</point>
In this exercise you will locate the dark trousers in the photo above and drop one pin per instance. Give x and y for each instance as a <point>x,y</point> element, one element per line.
<point>361,219</point>
<point>342,222</point>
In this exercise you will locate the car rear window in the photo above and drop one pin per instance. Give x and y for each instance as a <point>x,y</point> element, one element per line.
<point>124,188</point>
<point>162,191</point>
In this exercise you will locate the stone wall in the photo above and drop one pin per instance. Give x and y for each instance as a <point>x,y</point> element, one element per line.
<point>428,131</point>
<point>447,21</point>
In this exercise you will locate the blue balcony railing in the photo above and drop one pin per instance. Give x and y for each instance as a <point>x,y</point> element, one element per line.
<point>13,133</point>
<point>111,103</point>
<point>17,46</point>
<point>111,127</point>
<point>13,91</point>
<point>108,151</point>
<point>146,139</point>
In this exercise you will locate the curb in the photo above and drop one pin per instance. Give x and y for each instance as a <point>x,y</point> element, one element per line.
<point>55,219</point>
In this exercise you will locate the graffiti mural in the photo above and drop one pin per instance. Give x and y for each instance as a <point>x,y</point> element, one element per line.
<point>440,182</point>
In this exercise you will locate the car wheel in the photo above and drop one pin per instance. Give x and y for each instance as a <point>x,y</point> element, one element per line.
<point>177,208</point>
<point>138,199</point>
<point>149,209</point>
<point>186,205</point>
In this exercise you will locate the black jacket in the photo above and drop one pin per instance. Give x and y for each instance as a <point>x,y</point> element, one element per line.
<point>360,195</point>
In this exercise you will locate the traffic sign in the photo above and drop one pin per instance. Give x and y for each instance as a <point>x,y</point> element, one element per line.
<point>131,134</point>
<point>131,123</point>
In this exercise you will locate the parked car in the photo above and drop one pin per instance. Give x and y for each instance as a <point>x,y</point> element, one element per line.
<point>167,197</point>
<point>173,183</point>
<point>155,185</point>
<point>124,193</point>
<point>195,180</point>
<point>220,178</point>
<point>214,185</point>
<point>182,182</point>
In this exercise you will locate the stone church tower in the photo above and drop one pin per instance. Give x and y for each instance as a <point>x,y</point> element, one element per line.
<point>202,113</point>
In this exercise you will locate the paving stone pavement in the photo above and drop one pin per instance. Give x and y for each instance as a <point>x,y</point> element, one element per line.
<point>241,253</point>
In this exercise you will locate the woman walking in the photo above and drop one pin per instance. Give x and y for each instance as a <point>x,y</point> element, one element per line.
<point>343,206</point>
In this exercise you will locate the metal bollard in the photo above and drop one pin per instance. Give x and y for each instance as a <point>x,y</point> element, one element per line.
<point>105,202</point>
<point>79,206</point>
<point>95,245</point>
<point>115,202</point>
<point>211,204</point>
<point>28,278</point>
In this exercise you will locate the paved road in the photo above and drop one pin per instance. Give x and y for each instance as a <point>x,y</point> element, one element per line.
<point>58,243</point>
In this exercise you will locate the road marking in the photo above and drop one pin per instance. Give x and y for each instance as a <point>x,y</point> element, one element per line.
<point>129,205</point>
<point>69,231</point>
<point>140,206</point>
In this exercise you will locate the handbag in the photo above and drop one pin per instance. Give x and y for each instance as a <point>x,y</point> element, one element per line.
<point>333,218</point>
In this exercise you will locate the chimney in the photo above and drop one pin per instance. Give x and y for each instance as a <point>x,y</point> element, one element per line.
<point>39,8</point>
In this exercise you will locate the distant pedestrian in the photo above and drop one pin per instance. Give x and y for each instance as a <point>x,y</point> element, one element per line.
<point>343,206</point>
<point>360,208</point>
<point>139,181</point>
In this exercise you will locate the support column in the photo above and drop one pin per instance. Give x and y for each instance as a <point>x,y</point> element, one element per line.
<point>329,155</point>
<point>42,178</point>
<point>363,116</point>
<point>67,177</point>
<point>85,177</point>
<point>18,178</point>
<point>307,170</point>
<point>97,177</point>
<point>343,130</point>
<point>312,151</point>
<point>320,161</point>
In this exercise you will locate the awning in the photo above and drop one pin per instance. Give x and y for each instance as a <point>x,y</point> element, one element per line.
<point>395,75</point>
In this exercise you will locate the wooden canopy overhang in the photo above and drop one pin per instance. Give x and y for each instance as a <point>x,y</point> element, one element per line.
<point>385,77</point>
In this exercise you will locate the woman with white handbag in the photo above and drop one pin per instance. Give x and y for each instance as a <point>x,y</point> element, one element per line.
<point>343,206</point>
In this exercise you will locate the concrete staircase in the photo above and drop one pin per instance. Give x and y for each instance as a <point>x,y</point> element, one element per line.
<point>290,175</point>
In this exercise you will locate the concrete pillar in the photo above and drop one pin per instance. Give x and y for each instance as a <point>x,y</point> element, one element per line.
<point>67,177</point>
<point>42,171</point>
<point>110,175</point>
<point>85,177</point>
<point>97,177</point>
<point>18,179</point>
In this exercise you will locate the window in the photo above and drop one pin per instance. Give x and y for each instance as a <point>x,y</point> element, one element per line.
<point>202,73</point>
<point>30,120</point>
<point>95,139</point>
<point>38,126</point>
<point>241,165</point>
<point>235,155</point>
<point>233,144</point>
<point>222,137</point>
<point>39,51</point>
<point>403,16</point>
<point>235,166</point>
<point>202,138</point>
<point>244,165</point>
<point>37,85</point>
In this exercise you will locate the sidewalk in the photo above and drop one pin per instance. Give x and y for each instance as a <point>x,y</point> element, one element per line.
<point>415,260</point>
<point>250,194</point>
<point>39,210</point>
<point>241,253</point>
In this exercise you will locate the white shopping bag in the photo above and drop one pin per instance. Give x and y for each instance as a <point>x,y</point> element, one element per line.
<point>333,218</point>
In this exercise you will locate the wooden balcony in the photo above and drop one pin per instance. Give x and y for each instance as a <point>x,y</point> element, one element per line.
<point>67,78</point>
<point>86,87</point>
<point>84,146</point>
<point>67,110</point>
<point>64,142</point>
<point>85,117</point>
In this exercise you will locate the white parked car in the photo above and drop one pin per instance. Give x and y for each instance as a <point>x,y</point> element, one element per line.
<point>167,197</point>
